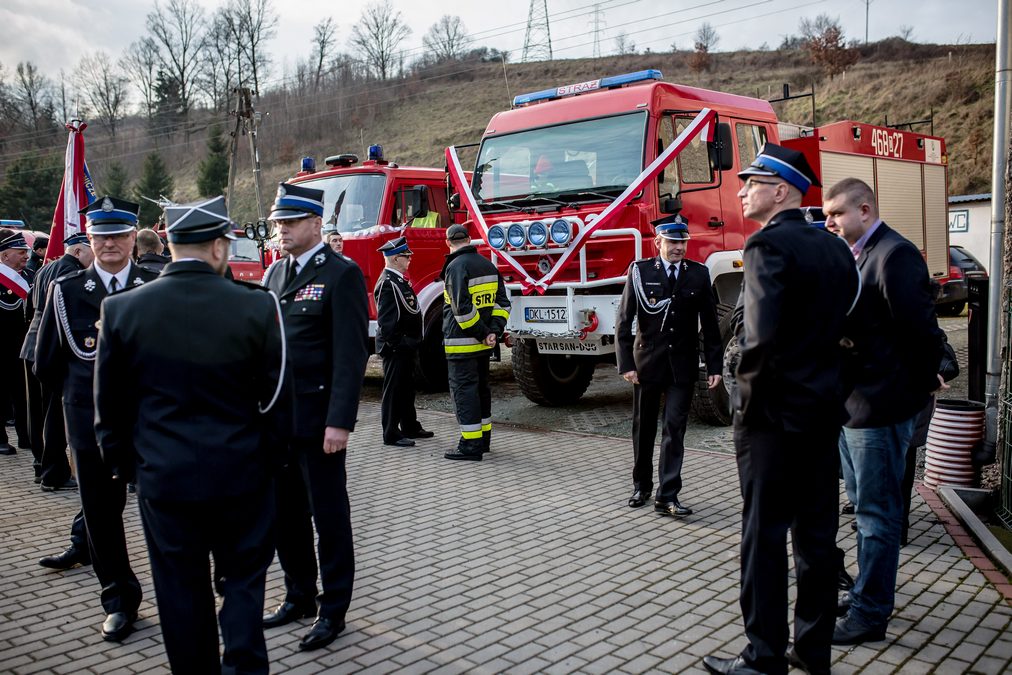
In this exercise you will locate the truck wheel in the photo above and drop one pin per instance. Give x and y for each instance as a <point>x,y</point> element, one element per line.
<point>550,379</point>
<point>950,309</point>
<point>430,369</point>
<point>713,406</point>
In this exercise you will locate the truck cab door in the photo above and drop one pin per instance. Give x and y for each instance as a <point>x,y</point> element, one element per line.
<point>749,138</point>
<point>692,177</point>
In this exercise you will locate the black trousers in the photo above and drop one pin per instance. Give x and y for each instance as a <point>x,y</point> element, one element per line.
<point>35,416</point>
<point>472,401</point>
<point>14,396</point>
<point>646,405</point>
<point>397,408</point>
<point>324,488</point>
<point>180,536</point>
<point>55,469</point>
<point>788,482</point>
<point>102,502</point>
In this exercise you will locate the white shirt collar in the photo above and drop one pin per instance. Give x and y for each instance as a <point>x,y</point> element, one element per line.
<point>106,277</point>
<point>391,269</point>
<point>668,265</point>
<point>303,260</point>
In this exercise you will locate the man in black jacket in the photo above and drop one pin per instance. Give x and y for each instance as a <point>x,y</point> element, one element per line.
<point>65,355</point>
<point>54,469</point>
<point>669,297</point>
<point>14,288</point>
<point>324,302</point>
<point>895,370</point>
<point>398,334</point>
<point>800,283</point>
<point>475,310</point>
<point>149,251</point>
<point>203,437</point>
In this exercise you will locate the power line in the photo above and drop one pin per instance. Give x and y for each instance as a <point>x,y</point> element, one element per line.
<point>538,39</point>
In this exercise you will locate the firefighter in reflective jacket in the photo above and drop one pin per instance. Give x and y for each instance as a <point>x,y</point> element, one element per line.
<point>475,311</point>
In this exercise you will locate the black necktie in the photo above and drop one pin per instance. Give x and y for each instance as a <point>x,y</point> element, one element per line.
<point>671,275</point>
<point>113,285</point>
<point>290,276</point>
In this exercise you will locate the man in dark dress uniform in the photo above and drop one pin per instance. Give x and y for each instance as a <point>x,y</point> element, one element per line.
<point>800,284</point>
<point>324,303</point>
<point>475,310</point>
<point>670,297</point>
<point>398,334</point>
<point>65,355</point>
<point>200,436</point>
<point>54,469</point>
<point>14,288</point>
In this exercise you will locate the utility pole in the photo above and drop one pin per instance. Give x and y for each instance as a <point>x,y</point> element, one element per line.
<point>867,11</point>
<point>538,40</point>
<point>247,123</point>
<point>596,22</point>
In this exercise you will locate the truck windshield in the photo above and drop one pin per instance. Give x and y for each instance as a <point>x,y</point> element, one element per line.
<point>589,156</point>
<point>352,201</point>
<point>243,249</point>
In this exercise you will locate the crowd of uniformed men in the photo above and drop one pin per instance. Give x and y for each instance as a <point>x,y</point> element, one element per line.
<point>233,424</point>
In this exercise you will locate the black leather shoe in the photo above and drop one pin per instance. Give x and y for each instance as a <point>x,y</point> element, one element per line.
<point>69,484</point>
<point>117,626</point>
<point>323,632</point>
<point>465,456</point>
<point>38,479</point>
<point>401,443</point>
<point>72,557</point>
<point>848,509</point>
<point>735,666</point>
<point>7,449</point>
<point>843,604</point>
<point>638,499</point>
<point>288,612</point>
<point>673,509</point>
<point>420,433</point>
<point>795,661</point>
<point>849,631</point>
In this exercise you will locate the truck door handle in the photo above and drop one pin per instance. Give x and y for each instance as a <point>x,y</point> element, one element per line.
<point>715,222</point>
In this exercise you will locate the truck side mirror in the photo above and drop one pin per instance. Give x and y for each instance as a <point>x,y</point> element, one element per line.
<point>671,204</point>
<point>420,201</point>
<point>454,201</point>
<point>721,156</point>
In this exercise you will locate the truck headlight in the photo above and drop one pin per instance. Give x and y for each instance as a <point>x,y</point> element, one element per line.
<point>516,235</point>
<point>537,234</point>
<point>562,232</point>
<point>497,237</point>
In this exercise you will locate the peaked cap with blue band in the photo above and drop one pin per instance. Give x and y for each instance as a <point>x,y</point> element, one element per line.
<point>295,201</point>
<point>198,221</point>
<point>672,227</point>
<point>16,241</point>
<point>789,165</point>
<point>110,215</point>
<point>398,246</point>
<point>75,239</point>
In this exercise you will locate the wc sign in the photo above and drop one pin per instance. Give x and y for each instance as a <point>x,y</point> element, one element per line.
<point>959,221</point>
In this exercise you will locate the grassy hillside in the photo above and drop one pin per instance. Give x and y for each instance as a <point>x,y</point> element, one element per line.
<point>416,119</point>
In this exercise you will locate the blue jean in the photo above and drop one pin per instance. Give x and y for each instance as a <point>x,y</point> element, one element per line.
<point>873,462</point>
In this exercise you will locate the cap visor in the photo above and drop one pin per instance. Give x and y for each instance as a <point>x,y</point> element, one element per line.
<point>287,214</point>
<point>757,171</point>
<point>675,237</point>
<point>102,229</point>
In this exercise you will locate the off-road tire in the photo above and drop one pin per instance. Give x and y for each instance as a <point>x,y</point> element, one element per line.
<point>950,308</point>
<point>550,379</point>
<point>713,406</point>
<point>430,368</point>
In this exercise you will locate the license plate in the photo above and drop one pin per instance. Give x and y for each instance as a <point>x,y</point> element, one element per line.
<point>545,315</point>
<point>547,346</point>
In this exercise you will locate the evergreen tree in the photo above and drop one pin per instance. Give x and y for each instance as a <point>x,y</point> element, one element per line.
<point>213,173</point>
<point>169,109</point>
<point>30,190</point>
<point>115,181</point>
<point>154,183</point>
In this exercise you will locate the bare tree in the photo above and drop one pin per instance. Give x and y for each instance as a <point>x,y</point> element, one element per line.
<point>222,62</point>
<point>707,38</point>
<point>32,90</point>
<point>446,38</point>
<point>623,45</point>
<point>823,38</point>
<point>178,29</point>
<point>255,22</point>
<point>377,36</point>
<point>105,86</point>
<point>140,61</point>
<point>324,37</point>
<point>906,32</point>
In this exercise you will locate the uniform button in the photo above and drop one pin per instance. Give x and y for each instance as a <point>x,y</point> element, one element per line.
<point>321,387</point>
<point>284,302</point>
<point>303,309</point>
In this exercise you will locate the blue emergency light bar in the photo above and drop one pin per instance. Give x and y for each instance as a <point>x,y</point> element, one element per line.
<point>15,224</point>
<point>584,87</point>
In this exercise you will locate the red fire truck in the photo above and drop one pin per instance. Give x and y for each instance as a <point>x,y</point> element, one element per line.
<point>374,201</point>
<point>550,166</point>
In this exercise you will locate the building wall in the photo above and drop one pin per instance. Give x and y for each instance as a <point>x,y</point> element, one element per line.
<point>970,227</point>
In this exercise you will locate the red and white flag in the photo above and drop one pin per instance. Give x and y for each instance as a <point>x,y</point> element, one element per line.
<point>76,192</point>
<point>13,281</point>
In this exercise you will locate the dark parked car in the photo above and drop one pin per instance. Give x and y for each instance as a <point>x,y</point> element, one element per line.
<point>951,299</point>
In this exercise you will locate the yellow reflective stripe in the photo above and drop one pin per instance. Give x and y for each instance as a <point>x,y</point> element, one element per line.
<point>471,435</point>
<point>468,320</point>
<point>464,349</point>
<point>482,281</point>
<point>499,311</point>
<point>483,288</point>
<point>486,427</point>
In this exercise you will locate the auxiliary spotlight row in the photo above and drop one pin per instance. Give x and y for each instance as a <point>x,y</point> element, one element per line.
<point>534,233</point>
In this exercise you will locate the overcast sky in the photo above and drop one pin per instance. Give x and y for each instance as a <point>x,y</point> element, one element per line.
<point>54,34</point>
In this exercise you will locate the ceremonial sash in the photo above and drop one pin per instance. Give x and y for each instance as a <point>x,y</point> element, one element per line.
<point>13,281</point>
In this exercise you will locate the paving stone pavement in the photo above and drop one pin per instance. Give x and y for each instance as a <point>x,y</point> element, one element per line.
<point>528,562</point>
